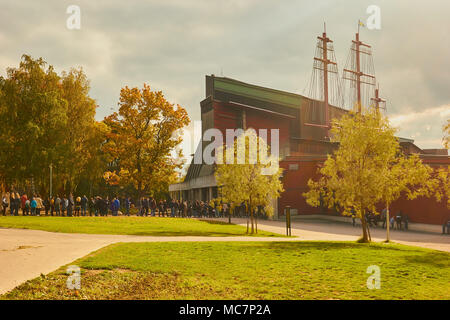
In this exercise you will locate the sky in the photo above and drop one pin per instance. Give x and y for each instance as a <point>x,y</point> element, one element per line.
<point>172,44</point>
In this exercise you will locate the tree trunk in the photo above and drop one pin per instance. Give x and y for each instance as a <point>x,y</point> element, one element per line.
<point>387,223</point>
<point>256,222</point>
<point>365,237</point>
<point>247,224</point>
<point>251,218</point>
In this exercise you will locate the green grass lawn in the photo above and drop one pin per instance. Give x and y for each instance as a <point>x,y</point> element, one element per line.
<point>143,226</point>
<point>249,270</point>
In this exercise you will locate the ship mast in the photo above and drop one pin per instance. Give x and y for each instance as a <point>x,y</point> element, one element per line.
<point>377,101</point>
<point>324,63</point>
<point>359,72</point>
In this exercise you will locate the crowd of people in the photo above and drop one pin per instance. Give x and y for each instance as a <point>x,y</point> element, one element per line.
<point>399,221</point>
<point>34,205</point>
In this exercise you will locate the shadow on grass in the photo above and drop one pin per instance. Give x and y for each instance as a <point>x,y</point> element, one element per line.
<point>216,222</point>
<point>435,259</point>
<point>194,234</point>
<point>339,245</point>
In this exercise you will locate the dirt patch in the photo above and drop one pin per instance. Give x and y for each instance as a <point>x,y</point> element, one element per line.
<point>22,248</point>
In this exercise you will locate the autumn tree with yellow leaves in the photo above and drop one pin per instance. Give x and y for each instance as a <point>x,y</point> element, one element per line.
<point>252,177</point>
<point>142,135</point>
<point>443,174</point>
<point>367,169</point>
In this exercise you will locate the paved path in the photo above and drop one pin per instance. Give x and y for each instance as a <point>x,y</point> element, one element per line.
<point>25,254</point>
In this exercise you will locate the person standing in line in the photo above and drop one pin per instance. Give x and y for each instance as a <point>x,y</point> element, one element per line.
<point>12,201</point>
<point>70,205</point>
<point>58,206</point>
<point>105,206</point>
<point>23,200</point>
<point>172,208</point>
<point>39,206</point>
<point>91,206</point>
<point>27,207</point>
<point>84,204</point>
<point>4,204</point>
<point>33,206</point>
<point>52,206</point>
<point>97,206</point>
<point>116,206</point>
<point>127,206</point>
<point>47,205</point>
<point>64,204</point>
<point>17,204</point>
<point>77,206</point>
<point>153,206</point>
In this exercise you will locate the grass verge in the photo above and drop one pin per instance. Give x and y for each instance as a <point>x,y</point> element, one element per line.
<point>142,226</point>
<point>249,270</point>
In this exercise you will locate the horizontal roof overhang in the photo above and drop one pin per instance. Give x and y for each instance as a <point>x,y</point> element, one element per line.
<point>237,104</point>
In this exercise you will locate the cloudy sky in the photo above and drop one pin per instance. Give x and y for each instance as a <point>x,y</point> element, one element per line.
<point>173,44</point>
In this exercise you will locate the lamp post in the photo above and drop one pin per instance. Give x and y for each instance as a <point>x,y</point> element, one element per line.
<point>51,180</point>
<point>288,221</point>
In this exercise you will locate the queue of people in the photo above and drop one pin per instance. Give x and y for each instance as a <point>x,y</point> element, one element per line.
<point>70,206</point>
<point>178,208</point>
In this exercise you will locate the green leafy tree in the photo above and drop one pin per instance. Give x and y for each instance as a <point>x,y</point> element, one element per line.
<point>366,169</point>
<point>34,119</point>
<point>245,181</point>
<point>404,175</point>
<point>82,131</point>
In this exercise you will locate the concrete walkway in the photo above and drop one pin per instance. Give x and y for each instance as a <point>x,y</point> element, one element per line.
<point>25,254</point>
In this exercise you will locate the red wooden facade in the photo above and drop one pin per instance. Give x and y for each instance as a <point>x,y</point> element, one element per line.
<point>231,104</point>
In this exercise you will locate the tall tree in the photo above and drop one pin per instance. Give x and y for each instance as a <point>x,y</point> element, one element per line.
<point>366,169</point>
<point>142,136</point>
<point>442,187</point>
<point>446,139</point>
<point>404,175</point>
<point>82,129</point>
<point>245,181</point>
<point>33,121</point>
<point>47,119</point>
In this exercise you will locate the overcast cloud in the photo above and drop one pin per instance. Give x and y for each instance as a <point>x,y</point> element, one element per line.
<point>172,45</point>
